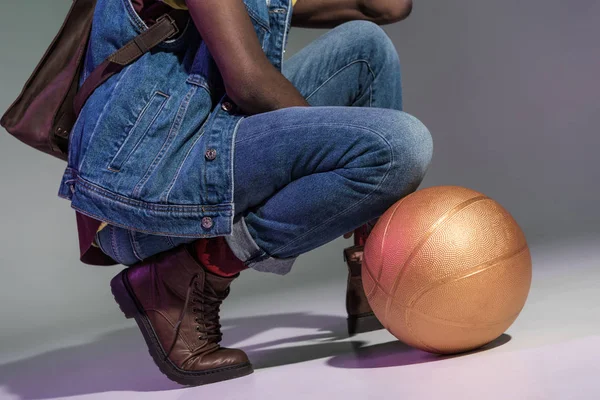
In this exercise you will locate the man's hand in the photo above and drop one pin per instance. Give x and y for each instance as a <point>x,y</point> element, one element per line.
<point>330,13</point>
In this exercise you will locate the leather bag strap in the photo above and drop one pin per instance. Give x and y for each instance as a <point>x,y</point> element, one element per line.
<point>164,28</point>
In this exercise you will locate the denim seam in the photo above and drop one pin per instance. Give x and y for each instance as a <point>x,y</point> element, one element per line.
<point>370,95</point>
<point>99,243</point>
<point>170,241</point>
<point>113,245</point>
<point>137,230</point>
<point>371,92</point>
<point>183,107</point>
<point>231,163</point>
<point>135,125</point>
<point>340,70</point>
<point>165,198</point>
<point>167,192</point>
<point>180,208</point>
<point>335,216</point>
<point>257,18</point>
<point>135,246</point>
<point>182,111</point>
<point>133,16</point>
<point>304,124</point>
<point>285,30</point>
<point>199,80</point>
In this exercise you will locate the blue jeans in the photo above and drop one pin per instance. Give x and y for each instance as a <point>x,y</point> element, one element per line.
<point>304,176</point>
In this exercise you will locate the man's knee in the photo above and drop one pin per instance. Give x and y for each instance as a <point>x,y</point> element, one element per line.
<point>372,38</point>
<point>412,150</point>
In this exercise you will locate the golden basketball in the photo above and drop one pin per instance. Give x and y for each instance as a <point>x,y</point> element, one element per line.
<point>446,269</point>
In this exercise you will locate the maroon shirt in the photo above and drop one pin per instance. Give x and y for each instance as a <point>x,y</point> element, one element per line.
<point>149,11</point>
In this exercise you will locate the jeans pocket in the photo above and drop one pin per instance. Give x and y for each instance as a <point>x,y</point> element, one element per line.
<point>140,128</point>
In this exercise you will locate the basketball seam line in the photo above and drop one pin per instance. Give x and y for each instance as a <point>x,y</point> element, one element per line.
<point>382,246</point>
<point>409,308</point>
<point>470,272</point>
<point>424,240</point>
<point>376,283</point>
<point>458,324</point>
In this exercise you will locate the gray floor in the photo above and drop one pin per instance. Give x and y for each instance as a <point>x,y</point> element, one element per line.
<point>298,345</point>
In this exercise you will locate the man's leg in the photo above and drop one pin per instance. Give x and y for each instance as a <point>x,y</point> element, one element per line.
<point>306,175</point>
<point>354,64</point>
<point>303,177</point>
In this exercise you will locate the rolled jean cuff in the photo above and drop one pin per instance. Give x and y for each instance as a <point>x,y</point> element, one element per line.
<point>243,245</point>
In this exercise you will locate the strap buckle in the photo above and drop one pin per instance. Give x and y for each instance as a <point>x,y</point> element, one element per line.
<point>171,21</point>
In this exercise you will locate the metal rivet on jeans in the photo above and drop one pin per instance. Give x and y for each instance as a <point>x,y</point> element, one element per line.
<point>210,154</point>
<point>207,222</point>
<point>227,106</point>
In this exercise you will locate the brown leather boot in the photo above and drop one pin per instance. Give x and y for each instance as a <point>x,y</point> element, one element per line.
<point>175,303</point>
<point>360,315</point>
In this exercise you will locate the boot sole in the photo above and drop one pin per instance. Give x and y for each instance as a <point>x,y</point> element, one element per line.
<point>129,305</point>
<point>363,323</point>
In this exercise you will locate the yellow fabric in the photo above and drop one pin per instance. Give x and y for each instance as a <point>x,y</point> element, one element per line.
<point>102,225</point>
<point>180,4</point>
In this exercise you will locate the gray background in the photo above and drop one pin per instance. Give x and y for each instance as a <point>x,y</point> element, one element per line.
<point>509,90</point>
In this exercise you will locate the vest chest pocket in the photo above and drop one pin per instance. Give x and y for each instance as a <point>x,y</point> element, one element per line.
<point>261,26</point>
<point>140,128</point>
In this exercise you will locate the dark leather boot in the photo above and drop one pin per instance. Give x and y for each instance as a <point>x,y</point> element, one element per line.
<point>360,315</point>
<point>175,303</point>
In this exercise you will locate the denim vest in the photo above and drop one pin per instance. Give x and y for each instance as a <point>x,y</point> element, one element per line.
<point>152,149</point>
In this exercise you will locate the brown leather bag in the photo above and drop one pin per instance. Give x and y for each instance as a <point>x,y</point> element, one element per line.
<point>45,111</point>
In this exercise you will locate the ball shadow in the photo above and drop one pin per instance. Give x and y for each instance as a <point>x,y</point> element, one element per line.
<point>396,353</point>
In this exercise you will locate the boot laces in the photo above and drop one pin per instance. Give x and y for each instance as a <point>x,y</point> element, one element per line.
<point>209,305</point>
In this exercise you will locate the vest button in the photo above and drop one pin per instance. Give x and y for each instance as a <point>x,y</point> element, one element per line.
<point>207,222</point>
<point>227,106</point>
<point>210,154</point>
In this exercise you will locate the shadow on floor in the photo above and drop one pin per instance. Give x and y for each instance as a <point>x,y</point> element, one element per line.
<point>396,353</point>
<point>330,330</point>
<point>119,361</point>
